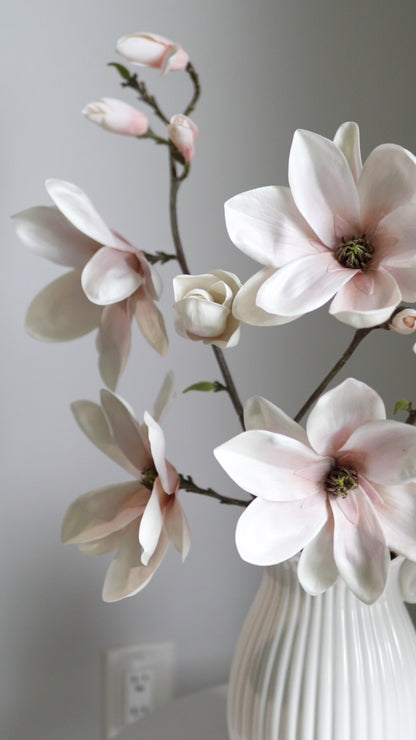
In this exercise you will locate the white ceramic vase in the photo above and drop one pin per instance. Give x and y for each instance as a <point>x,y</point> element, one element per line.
<point>325,667</point>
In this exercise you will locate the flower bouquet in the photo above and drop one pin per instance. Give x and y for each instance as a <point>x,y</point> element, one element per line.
<point>337,497</point>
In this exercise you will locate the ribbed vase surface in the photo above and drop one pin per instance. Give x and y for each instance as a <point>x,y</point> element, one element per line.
<point>323,667</point>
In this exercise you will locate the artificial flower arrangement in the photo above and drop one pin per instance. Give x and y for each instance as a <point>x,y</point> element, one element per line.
<point>342,491</point>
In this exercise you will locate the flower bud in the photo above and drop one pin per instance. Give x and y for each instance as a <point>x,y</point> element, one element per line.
<point>151,50</point>
<point>404,322</point>
<point>117,116</point>
<point>183,132</point>
<point>203,304</point>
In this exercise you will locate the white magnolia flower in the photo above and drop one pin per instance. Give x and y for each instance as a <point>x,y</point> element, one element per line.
<point>203,304</point>
<point>110,282</point>
<point>342,232</point>
<point>137,518</point>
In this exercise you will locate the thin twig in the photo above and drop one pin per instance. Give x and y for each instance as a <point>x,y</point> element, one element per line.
<point>197,88</point>
<point>140,87</point>
<point>187,484</point>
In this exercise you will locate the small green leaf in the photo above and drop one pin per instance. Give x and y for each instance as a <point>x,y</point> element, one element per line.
<point>402,405</point>
<point>204,385</point>
<point>123,71</point>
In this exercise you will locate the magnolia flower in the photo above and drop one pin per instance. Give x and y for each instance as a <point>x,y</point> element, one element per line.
<point>151,50</point>
<point>404,322</point>
<point>110,282</point>
<point>342,231</point>
<point>137,518</point>
<point>341,491</point>
<point>183,132</point>
<point>204,307</point>
<point>117,116</point>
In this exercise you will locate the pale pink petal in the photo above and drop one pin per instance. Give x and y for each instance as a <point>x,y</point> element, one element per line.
<point>151,524</point>
<point>91,419</point>
<point>174,60</point>
<point>117,116</point>
<point>150,322</point>
<point>317,570</point>
<point>398,518</point>
<point>127,575</point>
<point>177,526</point>
<point>388,180</point>
<point>266,465</point>
<point>106,544</point>
<point>164,397</point>
<point>266,225</point>
<point>126,431</point>
<point>339,412</point>
<point>405,277</point>
<point>245,307</point>
<point>322,185</point>
<point>166,472</point>
<point>357,308</point>
<point>111,276</point>
<point>407,581</point>
<point>98,513</point>
<point>384,451</point>
<point>79,210</point>
<point>395,238</point>
<point>347,138</point>
<point>48,233</point>
<point>360,550</point>
<point>261,414</point>
<point>150,50</point>
<point>61,311</point>
<point>303,285</point>
<point>268,532</point>
<point>113,342</point>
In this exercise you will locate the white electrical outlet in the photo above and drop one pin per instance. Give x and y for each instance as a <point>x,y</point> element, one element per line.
<point>136,680</point>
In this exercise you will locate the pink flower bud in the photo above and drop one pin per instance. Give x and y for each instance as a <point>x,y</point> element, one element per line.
<point>117,116</point>
<point>182,132</point>
<point>404,321</point>
<point>150,50</point>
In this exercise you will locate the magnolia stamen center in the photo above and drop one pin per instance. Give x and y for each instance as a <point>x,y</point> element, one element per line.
<point>355,253</point>
<point>340,481</point>
<point>148,477</point>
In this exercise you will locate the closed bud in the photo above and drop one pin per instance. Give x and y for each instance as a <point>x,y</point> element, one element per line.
<point>151,50</point>
<point>183,132</point>
<point>117,116</point>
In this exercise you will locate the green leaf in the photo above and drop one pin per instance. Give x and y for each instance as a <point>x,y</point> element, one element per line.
<point>123,71</point>
<point>204,385</point>
<point>402,405</point>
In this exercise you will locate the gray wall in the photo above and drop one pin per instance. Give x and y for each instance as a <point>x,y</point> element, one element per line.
<point>267,67</point>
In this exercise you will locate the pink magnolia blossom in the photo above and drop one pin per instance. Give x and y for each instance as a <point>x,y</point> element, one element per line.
<point>342,232</point>
<point>404,322</point>
<point>203,305</point>
<point>136,518</point>
<point>110,282</point>
<point>116,116</point>
<point>151,50</point>
<point>342,491</point>
<point>183,132</point>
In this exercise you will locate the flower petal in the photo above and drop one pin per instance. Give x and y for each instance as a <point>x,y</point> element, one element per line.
<point>266,225</point>
<point>317,570</point>
<point>398,518</point>
<point>303,285</point>
<point>395,238</point>
<point>167,473</point>
<point>268,532</point>
<point>126,431</point>
<point>339,412</point>
<point>385,451</point>
<point>347,138</point>
<point>91,419</point>
<point>388,180</point>
<point>266,465</point>
<point>360,550</point>
<point>48,233</point>
<point>405,278</point>
<point>127,575</point>
<point>151,524</point>
<point>177,526</point>
<point>79,210</point>
<point>100,512</point>
<point>113,342</point>
<point>164,397</point>
<point>245,306</point>
<point>322,185</point>
<point>361,309</point>
<point>261,414</point>
<point>111,276</point>
<point>61,311</point>
<point>150,322</point>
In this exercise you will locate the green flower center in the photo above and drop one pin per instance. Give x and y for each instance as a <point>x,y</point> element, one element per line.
<point>148,477</point>
<point>355,253</point>
<point>340,481</point>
